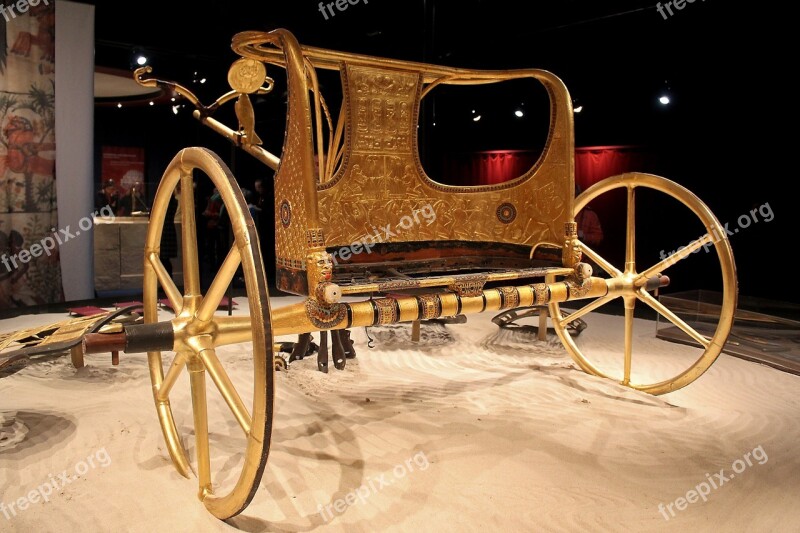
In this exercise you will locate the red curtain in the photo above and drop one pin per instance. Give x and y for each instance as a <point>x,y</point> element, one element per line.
<point>595,163</point>
<point>592,164</point>
<point>487,168</point>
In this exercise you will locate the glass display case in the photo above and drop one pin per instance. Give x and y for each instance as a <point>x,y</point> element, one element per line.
<point>765,331</point>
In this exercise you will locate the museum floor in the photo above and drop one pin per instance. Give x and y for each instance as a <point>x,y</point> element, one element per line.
<point>475,428</point>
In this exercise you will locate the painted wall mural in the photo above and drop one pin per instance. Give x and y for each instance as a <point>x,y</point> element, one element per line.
<point>29,267</point>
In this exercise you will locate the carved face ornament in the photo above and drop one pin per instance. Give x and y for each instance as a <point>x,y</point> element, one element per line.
<point>323,265</point>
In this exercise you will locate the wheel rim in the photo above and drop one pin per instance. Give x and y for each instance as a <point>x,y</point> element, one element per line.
<point>711,346</point>
<point>196,330</point>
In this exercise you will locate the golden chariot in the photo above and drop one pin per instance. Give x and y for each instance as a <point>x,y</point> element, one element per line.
<point>450,267</point>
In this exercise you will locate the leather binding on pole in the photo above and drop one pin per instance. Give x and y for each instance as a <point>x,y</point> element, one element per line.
<point>142,338</point>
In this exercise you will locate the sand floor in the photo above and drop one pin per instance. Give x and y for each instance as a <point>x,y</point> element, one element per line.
<point>475,429</point>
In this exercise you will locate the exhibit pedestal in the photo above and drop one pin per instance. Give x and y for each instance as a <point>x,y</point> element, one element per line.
<point>764,331</point>
<point>119,254</point>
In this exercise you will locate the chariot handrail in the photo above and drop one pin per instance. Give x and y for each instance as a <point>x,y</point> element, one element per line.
<point>261,46</point>
<point>203,112</point>
<point>254,45</point>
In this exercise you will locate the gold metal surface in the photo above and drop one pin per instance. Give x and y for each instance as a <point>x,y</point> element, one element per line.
<point>449,303</point>
<point>368,174</point>
<point>247,120</point>
<point>380,151</point>
<point>464,285</point>
<point>246,76</point>
<point>381,179</point>
<point>629,283</point>
<point>196,331</point>
<point>370,166</point>
<point>269,159</point>
<point>319,268</point>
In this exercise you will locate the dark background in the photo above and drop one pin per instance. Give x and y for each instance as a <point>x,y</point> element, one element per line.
<point>724,136</point>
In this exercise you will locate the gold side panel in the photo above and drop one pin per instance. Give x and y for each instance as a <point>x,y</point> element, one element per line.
<point>290,219</point>
<point>382,181</point>
<point>296,227</point>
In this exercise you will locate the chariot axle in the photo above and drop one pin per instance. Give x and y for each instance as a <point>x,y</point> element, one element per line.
<point>310,315</point>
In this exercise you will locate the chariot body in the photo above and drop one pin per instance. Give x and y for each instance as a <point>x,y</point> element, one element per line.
<point>449,251</point>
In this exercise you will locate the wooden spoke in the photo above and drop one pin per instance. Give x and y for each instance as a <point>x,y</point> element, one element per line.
<point>672,317</point>
<point>629,307</point>
<point>226,388</point>
<point>172,376</point>
<point>594,306</point>
<point>680,255</point>
<point>630,233</point>
<point>602,263</point>
<point>220,284</point>
<point>200,409</point>
<point>172,292</point>
<point>191,266</point>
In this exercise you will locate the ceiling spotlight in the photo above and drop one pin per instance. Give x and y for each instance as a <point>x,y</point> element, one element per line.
<point>172,99</point>
<point>119,106</point>
<point>175,109</point>
<point>578,109</point>
<point>666,94</point>
<point>519,113</point>
<point>476,118</point>
<point>203,80</point>
<point>152,103</point>
<point>138,57</point>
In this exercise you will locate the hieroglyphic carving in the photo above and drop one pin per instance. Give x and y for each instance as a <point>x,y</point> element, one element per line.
<point>398,285</point>
<point>247,75</point>
<point>541,293</point>
<point>315,238</point>
<point>469,284</point>
<point>572,254</point>
<point>578,289</point>
<point>430,305</point>
<point>510,297</point>
<point>388,312</point>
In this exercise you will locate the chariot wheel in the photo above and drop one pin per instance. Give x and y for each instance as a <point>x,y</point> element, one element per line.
<point>198,332</point>
<point>631,280</point>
